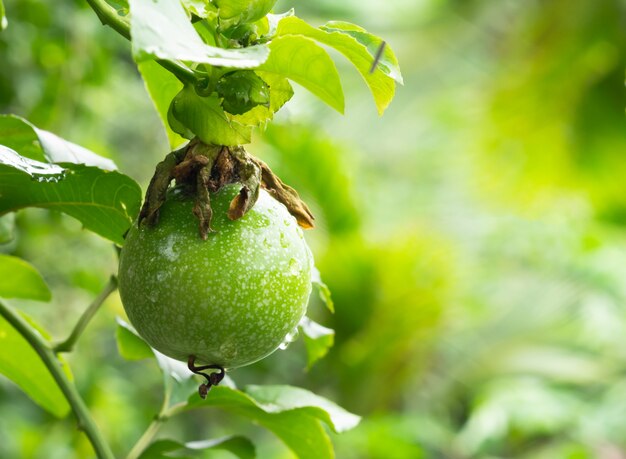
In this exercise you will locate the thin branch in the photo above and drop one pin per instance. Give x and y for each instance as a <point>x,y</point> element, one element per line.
<point>50,360</point>
<point>109,16</point>
<point>70,342</point>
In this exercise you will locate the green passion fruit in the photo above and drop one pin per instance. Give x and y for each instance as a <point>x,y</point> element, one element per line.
<point>230,300</point>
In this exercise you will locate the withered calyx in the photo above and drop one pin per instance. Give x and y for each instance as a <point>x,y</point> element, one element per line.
<point>205,169</point>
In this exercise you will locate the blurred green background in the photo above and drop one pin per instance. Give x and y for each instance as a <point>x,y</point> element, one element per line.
<point>473,237</point>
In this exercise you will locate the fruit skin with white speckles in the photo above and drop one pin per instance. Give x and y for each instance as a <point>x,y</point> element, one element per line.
<point>230,300</point>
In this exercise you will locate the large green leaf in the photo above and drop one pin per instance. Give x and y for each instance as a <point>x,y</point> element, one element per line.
<point>105,202</point>
<point>244,10</point>
<point>292,414</point>
<point>23,366</point>
<point>161,29</point>
<point>162,87</point>
<point>301,60</point>
<point>19,362</point>
<point>380,82</point>
<point>205,118</point>
<point>34,143</point>
<point>19,279</point>
<point>239,446</point>
<point>317,339</point>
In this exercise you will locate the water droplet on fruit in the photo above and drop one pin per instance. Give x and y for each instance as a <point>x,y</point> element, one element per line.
<point>294,267</point>
<point>284,242</point>
<point>289,338</point>
<point>260,222</point>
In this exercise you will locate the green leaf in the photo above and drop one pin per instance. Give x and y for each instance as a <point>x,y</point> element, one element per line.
<point>160,29</point>
<point>388,63</point>
<point>201,8</point>
<point>317,339</point>
<point>277,399</point>
<point>301,60</point>
<point>280,92</point>
<point>205,117</point>
<point>241,91</point>
<point>244,10</point>
<point>292,414</point>
<point>22,365</point>
<point>105,202</point>
<point>238,445</point>
<point>322,289</point>
<point>380,82</point>
<point>7,228</point>
<point>129,345</point>
<point>34,143</point>
<point>19,279</point>
<point>162,86</point>
<point>3,17</point>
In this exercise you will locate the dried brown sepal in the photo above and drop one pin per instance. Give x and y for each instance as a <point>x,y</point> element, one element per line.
<point>155,195</point>
<point>249,175</point>
<point>285,194</point>
<point>204,169</point>
<point>202,207</point>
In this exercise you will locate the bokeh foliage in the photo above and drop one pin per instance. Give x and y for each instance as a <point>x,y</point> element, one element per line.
<point>473,237</point>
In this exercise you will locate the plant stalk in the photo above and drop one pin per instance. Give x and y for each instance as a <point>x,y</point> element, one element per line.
<point>108,16</point>
<point>70,342</point>
<point>50,360</point>
<point>146,438</point>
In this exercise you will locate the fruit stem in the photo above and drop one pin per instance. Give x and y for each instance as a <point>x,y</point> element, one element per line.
<point>109,16</point>
<point>48,356</point>
<point>70,342</point>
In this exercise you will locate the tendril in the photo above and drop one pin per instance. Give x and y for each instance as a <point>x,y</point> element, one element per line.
<point>212,379</point>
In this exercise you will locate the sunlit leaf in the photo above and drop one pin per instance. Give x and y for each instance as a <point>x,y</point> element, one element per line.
<point>276,399</point>
<point>105,202</point>
<point>317,339</point>
<point>238,445</point>
<point>201,8</point>
<point>387,63</point>
<point>21,364</point>
<point>18,279</point>
<point>205,117</point>
<point>380,82</point>
<point>301,60</point>
<point>161,29</point>
<point>34,143</point>
<point>291,413</point>
<point>162,86</point>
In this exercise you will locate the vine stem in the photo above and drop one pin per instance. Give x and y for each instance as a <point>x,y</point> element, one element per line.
<point>70,342</point>
<point>146,438</point>
<point>109,16</point>
<point>50,360</point>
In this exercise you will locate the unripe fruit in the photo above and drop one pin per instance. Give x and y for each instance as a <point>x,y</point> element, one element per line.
<point>230,300</point>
